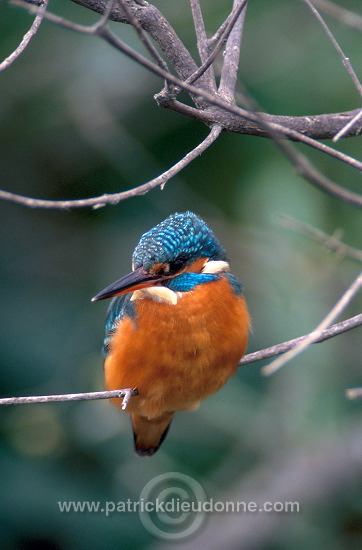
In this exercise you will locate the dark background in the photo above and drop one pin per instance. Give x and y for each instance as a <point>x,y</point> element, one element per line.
<point>78,119</point>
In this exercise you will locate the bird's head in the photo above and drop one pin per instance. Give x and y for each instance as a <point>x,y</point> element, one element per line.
<point>171,255</point>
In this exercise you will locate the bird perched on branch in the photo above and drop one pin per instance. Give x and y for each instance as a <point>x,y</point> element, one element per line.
<point>176,328</point>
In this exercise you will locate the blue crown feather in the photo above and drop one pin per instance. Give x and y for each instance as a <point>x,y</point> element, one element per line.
<point>181,236</point>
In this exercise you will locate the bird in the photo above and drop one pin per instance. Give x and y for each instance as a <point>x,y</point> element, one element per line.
<point>176,328</point>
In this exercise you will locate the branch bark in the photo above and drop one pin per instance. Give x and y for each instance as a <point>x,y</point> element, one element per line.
<point>213,109</point>
<point>156,25</point>
<point>210,110</point>
<point>126,393</point>
<point>321,336</point>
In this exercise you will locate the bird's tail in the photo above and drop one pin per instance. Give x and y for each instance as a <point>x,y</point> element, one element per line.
<point>149,434</point>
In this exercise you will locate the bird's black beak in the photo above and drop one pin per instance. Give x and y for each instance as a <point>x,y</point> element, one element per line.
<point>139,278</point>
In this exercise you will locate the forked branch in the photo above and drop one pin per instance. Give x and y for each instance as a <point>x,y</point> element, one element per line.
<point>210,108</point>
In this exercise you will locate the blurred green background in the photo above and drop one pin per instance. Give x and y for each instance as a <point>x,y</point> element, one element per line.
<point>78,119</point>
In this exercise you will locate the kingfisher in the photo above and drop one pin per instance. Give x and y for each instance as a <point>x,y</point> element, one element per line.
<point>176,328</point>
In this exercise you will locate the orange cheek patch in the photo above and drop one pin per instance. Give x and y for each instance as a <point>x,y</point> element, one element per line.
<point>197,266</point>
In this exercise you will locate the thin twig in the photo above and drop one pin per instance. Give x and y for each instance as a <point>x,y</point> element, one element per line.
<point>26,38</point>
<point>115,198</point>
<point>329,241</point>
<point>210,98</point>
<point>313,336</point>
<point>322,335</point>
<point>202,45</point>
<point>126,393</point>
<point>62,22</point>
<point>229,24</point>
<point>219,36</point>
<point>346,62</point>
<point>143,36</point>
<point>219,102</point>
<point>104,17</point>
<point>346,128</point>
<point>272,129</point>
<point>300,161</point>
<point>229,72</point>
<point>150,19</point>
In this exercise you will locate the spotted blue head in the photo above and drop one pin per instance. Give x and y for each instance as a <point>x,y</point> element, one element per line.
<point>180,240</point>
<point>167,253</point>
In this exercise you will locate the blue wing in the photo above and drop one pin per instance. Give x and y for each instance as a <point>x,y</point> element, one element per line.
<point>119,308</point>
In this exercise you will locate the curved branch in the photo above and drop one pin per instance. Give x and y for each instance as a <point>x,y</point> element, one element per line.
<point>154,23</point>
<point>232,118</point>
<point>115,198</point>
<point>27,37</point>
<point>265,124</point>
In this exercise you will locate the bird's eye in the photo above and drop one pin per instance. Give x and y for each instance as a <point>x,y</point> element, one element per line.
<point>169,268</point>
<point>175,266</point>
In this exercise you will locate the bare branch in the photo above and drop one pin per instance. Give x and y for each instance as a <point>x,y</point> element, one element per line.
<point>323,126</point>
<point>329,241</point>
<point>313,336</point>
<point>346,62</point>
<point>262,124</point>
<point>301,162</point>
<point>230,65</point>
<point>310,172</point>
<point>154,23</point>
<point>143,36</point>
<point>202,46</point>
<point>321,336</point>
<point>343,131</point>
<point>126,393</point>
<point>26,38</point>
<point>115,198</point>
<point>222,37</point>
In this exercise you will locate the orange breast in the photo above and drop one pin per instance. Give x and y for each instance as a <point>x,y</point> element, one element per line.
<point>177,355</point>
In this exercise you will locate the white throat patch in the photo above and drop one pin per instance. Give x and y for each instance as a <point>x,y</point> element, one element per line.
<point>158,294</point>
